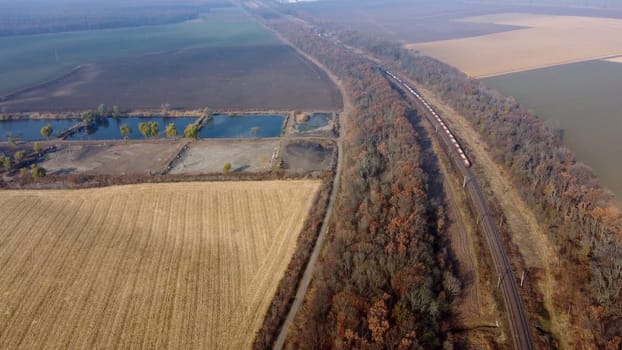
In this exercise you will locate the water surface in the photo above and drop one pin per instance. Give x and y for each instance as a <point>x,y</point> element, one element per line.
<point>234,126</point>
<point>317,121</point>
<point>109,128</point>
<point>30,129</point>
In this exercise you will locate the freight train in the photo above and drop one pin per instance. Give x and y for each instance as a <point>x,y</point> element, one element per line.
<point>450,136</point>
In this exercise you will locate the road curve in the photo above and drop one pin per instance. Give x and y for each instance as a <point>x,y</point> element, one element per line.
<point>517,317</point>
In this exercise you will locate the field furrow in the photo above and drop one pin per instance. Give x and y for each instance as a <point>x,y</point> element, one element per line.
<point>37,277</point>
<point>178,266</point>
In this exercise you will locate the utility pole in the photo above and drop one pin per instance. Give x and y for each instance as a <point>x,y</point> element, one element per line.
<point>522,278</point>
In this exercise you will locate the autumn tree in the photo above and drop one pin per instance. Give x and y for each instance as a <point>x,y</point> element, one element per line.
<point>154,128</point>
<point>171,131</point>
<point>88,117</point>
<point>125,131</point>
<point>46,131</point>
<point>37,171</point>
<point>18,156</point>
<point>377,319</point>
<point>385,248</point>
<point>145,129</point>
<point>6,162</point>
<point>569,200</point>
<point>192,131</point>
<point>226,168</point>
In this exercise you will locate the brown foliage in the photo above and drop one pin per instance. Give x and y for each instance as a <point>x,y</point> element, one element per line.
<point>569,200</point>
<point>377,319</point>
<point>380,279</point>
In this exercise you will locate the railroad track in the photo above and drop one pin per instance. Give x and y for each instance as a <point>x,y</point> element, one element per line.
<point>517,317</point>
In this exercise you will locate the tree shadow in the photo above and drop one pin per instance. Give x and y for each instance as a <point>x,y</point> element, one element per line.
<point>241,168</point>
<point>64,171</point>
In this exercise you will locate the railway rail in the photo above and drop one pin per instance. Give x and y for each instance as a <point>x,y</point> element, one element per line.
<point>517,317</point>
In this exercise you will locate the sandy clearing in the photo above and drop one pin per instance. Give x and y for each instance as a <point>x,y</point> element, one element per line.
<point>210,156</point>
<point>112,158</point>
<point>180,266</point>
<point>306,156</point>
<point>548,41</point>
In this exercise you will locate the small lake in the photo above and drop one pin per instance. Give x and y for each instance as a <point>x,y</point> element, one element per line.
<point>317,121</point>
<point>225,126</point>
<point>220,126</point>
<point>30,129</point>
<point>108,129</point>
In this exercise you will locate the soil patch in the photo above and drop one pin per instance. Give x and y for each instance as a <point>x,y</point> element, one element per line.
<point>118,158</point>
<point>307,156</point>
<point>210,156</point>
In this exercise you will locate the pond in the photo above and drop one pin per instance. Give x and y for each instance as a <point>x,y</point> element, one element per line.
<point>220,126</point>
<point>30,129</point>
<point>225,126</point>
<point>317,121</point>
<point>108,129</point>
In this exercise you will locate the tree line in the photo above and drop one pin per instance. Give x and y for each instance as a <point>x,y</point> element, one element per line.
<point>23,161</point>
<point>570,201</point>
<point>383,280</point>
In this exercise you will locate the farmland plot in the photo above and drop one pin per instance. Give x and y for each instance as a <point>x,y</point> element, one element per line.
<point>180,266</point>
<point>545,41</point>
<point>583,100</point>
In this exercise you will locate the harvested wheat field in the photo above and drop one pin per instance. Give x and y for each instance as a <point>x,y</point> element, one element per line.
<point>178,266</point>
<point>544,41</point>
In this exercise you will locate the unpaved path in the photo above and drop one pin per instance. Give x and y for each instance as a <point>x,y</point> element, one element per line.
<point>462,244</point>
<point>342,119</point>
<point>303,286</point>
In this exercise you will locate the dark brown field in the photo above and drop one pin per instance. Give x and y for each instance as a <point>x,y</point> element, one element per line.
<point>307,156</point>
<point>263,77</point>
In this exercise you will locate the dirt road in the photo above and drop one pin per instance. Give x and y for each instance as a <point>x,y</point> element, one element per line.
<point>342,119</point>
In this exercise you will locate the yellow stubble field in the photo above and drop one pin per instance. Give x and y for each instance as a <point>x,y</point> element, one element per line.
<point>545,41</point>
<point>178,266</point>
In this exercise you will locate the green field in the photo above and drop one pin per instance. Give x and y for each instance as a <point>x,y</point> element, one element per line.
<point>584,100</point>
<point>28,60</point>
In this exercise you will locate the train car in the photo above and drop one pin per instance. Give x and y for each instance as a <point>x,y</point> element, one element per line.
<point>465,161</point>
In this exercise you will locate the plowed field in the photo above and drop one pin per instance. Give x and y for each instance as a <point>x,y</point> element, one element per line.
<point>545,41</point>
<point>179,266</point>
